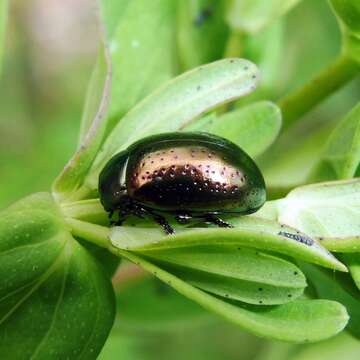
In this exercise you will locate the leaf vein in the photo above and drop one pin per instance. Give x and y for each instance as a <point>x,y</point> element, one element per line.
<point>61,296</point>
<point>43,278</point>
<point>96,318</point>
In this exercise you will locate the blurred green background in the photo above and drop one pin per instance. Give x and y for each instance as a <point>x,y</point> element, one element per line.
<point>48,57</point>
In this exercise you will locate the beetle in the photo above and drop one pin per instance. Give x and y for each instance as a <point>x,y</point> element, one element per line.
<point>184,174</point>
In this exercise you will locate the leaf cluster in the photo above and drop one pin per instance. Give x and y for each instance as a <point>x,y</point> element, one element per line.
<point>177,66</point>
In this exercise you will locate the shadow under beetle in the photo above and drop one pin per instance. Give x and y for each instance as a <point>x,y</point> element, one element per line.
<point>185,174</point>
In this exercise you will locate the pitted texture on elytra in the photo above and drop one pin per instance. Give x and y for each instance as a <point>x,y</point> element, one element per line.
<point>183,175</point>
<point>183,172</point>
<point>194,162</point>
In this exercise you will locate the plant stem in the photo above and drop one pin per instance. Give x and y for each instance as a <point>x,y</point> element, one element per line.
<point>302,100</point>
<point>82,193</point>
<point>90,210</point>
<point>97,234</point>
<point>234,45</point>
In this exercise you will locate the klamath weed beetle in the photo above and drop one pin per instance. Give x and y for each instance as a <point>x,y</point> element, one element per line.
<point>186,174</point>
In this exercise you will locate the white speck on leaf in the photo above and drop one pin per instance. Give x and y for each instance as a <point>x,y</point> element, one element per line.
<point>135,43</point>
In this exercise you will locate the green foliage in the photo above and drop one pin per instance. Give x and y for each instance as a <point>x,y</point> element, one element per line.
<point>178,102</point>
<point>325,210</point>
<point>329,211</point>
<point>197,22</point>
<point>353,263</point>
<point>348,12</point>
<point>149,59</point>
<point>233,273</point>
<point>95,94</point>
<point>279,167</point>
<point>297,321</point>
<point>253,127</point>
<point>337,288</point>
<point>253,15</point>
<point>93,127</point>
<point>249,232</point>
<point>54,296</point>
<point>58,251</point>
<point>266,48</point>
<point>119,75</point>
<point>341,156</point>
<point>215,260</point>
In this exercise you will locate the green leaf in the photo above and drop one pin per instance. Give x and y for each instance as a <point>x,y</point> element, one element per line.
<point>253,127</point>
<point>340,244</point>
<point>266,48</point>
<point>329,211</point>
<point>142,50</point>
<point>122,76</point>
<point>203,123</point>
<point>90,210</point>
<point>352,261</point>
<point>235,262</point>
<point>54,296</point>
<point>249,232</point>
<point>98,88</point>
<point>331,349</point>
<point>241,290</point>
<point>233,272</point>
<point>251,16</point>
<point>93,126</point>
<point>38,201</point>
<point>348,13</point>
<point>108,261</point>
<point>164,310</point>
<point>297,321</point>
<point>111,13</point>
<point>3,20</point>
<point>197,22</point>
<point>42,201</point>
<point>336,287</point>
<point>341,156</point>
<point>178,102</point>
<point>278,165</point>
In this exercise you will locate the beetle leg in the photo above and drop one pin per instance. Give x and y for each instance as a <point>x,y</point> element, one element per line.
<point>217,221</point>
<point>110,215</point>
<point>121,219</point>
<point>183,218</point>
<point>162,222</point>
<point>141,212</point>
<point>138,211</point>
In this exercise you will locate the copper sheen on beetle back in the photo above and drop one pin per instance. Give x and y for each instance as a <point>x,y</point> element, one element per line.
<point>187,174</point>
